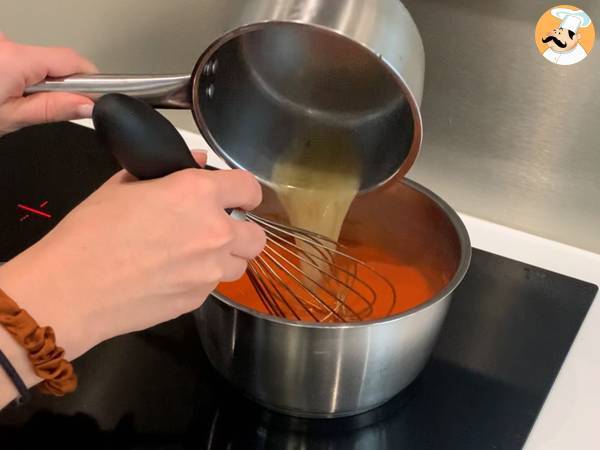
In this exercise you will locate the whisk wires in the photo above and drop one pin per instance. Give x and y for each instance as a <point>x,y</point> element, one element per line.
<point>302,275</point>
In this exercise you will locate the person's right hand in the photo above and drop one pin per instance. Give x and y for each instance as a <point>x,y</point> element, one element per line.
<point>136,253</point>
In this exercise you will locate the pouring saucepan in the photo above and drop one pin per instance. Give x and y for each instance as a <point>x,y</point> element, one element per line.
<point>286,70</point>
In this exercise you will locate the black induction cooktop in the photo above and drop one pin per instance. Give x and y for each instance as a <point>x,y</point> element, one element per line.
<point>508,330</point>
<point>45,171</point>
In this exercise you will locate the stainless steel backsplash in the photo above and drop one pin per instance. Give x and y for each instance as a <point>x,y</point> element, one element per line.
<point>509,137</point>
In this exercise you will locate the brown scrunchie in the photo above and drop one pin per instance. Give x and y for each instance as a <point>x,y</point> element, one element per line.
<point>47,359</point>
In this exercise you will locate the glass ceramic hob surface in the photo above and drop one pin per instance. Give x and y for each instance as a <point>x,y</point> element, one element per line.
<point>508,330</point>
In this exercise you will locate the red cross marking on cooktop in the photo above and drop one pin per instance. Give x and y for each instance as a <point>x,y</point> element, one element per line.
<point>35,211</point>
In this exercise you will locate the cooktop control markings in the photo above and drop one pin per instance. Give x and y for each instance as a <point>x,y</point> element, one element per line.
<point>34,211</point>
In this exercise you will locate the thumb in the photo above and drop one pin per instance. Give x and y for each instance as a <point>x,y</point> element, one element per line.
<point>49,107</point>
<point>200,156</point>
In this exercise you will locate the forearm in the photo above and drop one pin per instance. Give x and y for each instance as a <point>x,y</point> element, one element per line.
<point>26,282</point>
<point>20,361</point>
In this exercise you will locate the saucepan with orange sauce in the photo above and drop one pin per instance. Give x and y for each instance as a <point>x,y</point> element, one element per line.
<point>305,369</point>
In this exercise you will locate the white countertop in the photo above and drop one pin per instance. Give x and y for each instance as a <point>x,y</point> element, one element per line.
<point>570,416</point>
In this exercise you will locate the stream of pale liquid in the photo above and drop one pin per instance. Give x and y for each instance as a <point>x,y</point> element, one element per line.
<point>316,181</point>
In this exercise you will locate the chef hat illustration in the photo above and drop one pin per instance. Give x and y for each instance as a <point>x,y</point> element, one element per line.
<point>570,19</point>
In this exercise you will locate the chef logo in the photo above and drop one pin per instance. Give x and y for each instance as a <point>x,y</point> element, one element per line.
<point>565,35</point>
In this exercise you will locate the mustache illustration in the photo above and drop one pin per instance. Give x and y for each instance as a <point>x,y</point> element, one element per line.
<point>556,41</point>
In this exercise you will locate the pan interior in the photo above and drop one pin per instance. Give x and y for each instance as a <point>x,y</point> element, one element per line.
<point>267,88</point>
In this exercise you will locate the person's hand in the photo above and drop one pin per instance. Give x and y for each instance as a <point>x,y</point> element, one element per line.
<point>136,253</point>
<point>24,65</point>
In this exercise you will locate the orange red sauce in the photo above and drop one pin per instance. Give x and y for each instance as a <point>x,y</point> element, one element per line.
<point>411,286</point>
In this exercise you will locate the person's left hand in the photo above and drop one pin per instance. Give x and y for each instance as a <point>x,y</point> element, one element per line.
<point>24,65</point>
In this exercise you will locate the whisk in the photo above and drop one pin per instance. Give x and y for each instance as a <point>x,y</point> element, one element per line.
<point>299,275</point>
<point>306,276</point>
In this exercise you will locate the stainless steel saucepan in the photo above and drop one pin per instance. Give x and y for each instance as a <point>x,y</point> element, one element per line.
<point>333,370</point>
<point>286,70</point>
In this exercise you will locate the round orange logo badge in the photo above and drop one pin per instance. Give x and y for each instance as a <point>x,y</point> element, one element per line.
<point>565,35</point>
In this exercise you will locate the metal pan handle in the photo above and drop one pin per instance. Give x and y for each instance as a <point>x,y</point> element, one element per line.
<point>159,91</point>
